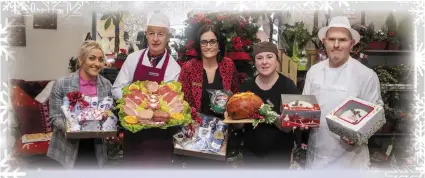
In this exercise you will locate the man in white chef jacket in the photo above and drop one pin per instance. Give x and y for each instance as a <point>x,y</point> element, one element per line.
<point>149,147</point>
<point>150,66</point>
<point>332,81</point>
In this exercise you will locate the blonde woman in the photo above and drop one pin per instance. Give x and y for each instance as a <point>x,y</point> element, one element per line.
<point>81,153</point>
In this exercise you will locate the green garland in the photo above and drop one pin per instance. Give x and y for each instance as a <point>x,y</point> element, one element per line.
<point>265,115</point>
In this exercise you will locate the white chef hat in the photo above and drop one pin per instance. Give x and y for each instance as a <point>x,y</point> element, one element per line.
<point>339,21</point>
<point>159,20</point>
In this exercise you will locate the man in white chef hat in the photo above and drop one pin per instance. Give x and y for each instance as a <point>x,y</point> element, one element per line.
<point>155,63</point>
<point>332,81</point>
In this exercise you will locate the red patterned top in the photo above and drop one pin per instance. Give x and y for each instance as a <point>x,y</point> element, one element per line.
<point>191,78</point>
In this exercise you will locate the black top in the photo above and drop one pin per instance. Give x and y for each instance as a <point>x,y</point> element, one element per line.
<point>266,139</point>
<point>216,85</point>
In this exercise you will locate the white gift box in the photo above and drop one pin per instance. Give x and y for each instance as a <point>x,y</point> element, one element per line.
<point>356,119</point>
<point>88,122</point>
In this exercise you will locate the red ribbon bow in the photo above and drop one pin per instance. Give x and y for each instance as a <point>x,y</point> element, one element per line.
<point>74,98</point>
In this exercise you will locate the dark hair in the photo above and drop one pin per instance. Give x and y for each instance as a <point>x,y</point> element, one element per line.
<point>221,41</point>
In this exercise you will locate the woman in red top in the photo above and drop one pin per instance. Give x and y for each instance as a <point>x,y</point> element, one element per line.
<point>210,70</point>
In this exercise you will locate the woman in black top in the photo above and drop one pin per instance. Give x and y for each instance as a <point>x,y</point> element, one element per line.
<point>268,145</point>
<point>210,70</point>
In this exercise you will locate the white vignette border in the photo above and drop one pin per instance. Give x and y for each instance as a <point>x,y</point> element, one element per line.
<point>417,170</point>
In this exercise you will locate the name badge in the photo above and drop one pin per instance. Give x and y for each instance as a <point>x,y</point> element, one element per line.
<point>197,84</point>
<point>153,74</point>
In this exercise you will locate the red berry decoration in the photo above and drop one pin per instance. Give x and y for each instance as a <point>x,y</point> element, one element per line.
<point>256,116</point>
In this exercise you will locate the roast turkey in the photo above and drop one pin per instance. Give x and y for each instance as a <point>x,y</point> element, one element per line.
<point>240,105</point>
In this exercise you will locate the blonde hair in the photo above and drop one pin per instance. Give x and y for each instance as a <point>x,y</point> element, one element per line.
<point>86,47</point>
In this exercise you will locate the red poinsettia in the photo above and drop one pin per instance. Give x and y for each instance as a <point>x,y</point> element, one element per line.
<point>191,52</point>
<point>391,34</point>
<point>74,98</point>
<point>123,51</point>
<point>199,18</point>
<point>247,42</point>
<point>237,43</point>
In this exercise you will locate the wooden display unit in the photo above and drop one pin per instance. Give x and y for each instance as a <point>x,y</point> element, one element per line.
<point>288,67</point>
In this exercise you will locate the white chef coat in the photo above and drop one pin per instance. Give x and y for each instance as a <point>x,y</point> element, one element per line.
<point>125,76</point>
<point>331,87</point>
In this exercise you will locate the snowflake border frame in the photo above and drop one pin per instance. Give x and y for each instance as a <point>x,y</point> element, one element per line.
<point>418,11</point>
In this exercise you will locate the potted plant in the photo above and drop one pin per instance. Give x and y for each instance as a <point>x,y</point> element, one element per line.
<point>365,38</point>
<point>393,43</point>
<point>379,41</point>
<point>320,47</point>
<point>375,40</point>
<point>385,77</point>
<point>294,40</point>
<point>391,24</point>
<point>121,57</point>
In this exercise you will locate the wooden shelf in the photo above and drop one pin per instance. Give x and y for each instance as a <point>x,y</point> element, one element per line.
<point>397,87</point>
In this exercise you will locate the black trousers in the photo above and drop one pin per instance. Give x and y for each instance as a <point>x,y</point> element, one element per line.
<point>86,157</point>
<point>148,148</point>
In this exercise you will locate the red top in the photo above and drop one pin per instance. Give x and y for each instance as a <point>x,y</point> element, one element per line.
<point>191,78</point>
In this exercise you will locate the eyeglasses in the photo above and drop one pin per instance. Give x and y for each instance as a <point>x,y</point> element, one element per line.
<point>212,42</point>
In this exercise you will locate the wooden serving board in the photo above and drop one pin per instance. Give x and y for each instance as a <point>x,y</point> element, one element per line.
<point>229,120</point>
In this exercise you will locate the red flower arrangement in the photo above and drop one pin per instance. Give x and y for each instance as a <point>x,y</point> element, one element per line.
<point>74,98</point>
<point>123,51</point>
<point>238,29</point>
<point>237,43</point>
